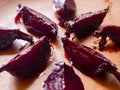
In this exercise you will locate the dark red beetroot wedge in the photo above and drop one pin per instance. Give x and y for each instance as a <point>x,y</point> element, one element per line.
<point>87,60</point>
<point>30,62</point>
<point>113,32</point>
<point>85,24</point>
<point>65,10</point>
<point>36,23</point>
<point>63,77</point>
<point>7,36</point>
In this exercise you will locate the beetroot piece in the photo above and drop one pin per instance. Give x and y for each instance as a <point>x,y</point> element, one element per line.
<point>113,32</point>
<point>85,24</point>
<point>30,62</point>
<point>63,77</point>
<point>7,36</point>
<point>88,61</point>
<point>65,10</point>
<point>36,23</point>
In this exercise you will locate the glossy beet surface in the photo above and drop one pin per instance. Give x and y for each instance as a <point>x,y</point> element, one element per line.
<point>36,23</point>
<point>30,62</point>
<point>65,10</point>
<point>7,36</point>
<point>113,32</point>
<point>85,24</point>
<point>63,77</point>
<point>87,60</point>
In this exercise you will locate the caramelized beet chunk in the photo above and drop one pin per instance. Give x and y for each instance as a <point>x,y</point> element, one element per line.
<point>30,62</point>
<point>85,24</point>
<point>65,10</point>
<point>63,77</point>
<point>88,61</point>
<point>113,32</point>
<point>7,36</point>
<point>36,23</point>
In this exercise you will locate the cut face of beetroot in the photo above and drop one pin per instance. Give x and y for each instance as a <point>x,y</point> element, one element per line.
<point>85,24</point>
<point>87,60</point>
<point>30,62</point>
<point>7,36</point>
<point>36,23</point>
<point>65,10</point>
<point>63,77</point>
<point>113,32</point>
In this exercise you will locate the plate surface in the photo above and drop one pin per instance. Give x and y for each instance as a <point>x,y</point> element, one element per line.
<point>7,14</point>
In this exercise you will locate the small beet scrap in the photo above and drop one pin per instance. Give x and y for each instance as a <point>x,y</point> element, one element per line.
<point>7,36</point>
<point>88,61</point>
<point>36,23</point>
<point>65,10</point>
<point>85,24</point>
<point>63,77</point>
<point>113,32</point>
<point>30,62</point>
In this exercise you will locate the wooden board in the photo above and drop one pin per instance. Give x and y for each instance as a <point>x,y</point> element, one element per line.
<point>7,14</point>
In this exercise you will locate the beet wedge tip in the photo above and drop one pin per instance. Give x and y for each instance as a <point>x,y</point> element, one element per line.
<point>36,23</point>
<point>113,32</point>
<point>7,36</point>
<point>63,77</point>
<point>85,24</point>
<point>30,62</point>
<point>88,61</point>
<point>64,10</point>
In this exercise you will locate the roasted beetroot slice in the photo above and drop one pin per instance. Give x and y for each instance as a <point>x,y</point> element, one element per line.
<point>63,77</point>
<point>7,36</point>
<point>88,61</point>
<point>65,10</point>
<point>113,32</point>
<point>30,62</point>
<point>36,23</point>
<point>85,24</point>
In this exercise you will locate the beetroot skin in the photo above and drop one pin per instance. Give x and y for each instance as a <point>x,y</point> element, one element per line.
<point>36,23</point>
<point>85,24</point>
<point>88,61</point>
<point>113,32</point>
<point>65,10</point>
<point>30,62</point>
<point>63,77</point>
<point>7,36</point>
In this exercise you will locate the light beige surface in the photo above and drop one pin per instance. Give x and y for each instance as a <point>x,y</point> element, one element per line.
<point>7,14</point>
